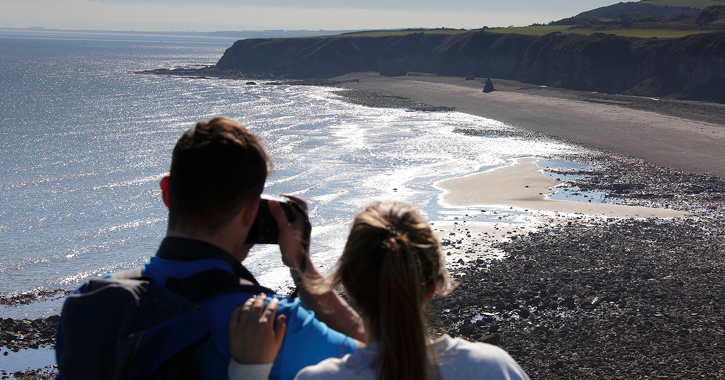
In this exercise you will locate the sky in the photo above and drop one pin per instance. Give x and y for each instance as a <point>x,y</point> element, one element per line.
<point>239,15</point>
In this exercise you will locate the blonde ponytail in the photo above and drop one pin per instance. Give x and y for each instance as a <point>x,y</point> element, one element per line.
<point>390,264</point>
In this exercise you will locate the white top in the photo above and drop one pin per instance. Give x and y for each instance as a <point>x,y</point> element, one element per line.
<point>457,359</point>
<point>237,371</point>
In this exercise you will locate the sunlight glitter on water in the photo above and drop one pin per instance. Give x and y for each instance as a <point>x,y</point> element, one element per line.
<point>78,180</point>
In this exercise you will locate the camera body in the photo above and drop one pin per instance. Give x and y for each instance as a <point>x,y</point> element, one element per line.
<point>264,229</point>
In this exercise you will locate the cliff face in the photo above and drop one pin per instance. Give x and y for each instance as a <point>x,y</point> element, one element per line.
<point>483,54</point>
<point>695,66</point>
<point>327,57</point>
<point>591,63</point>
<point>691,67</point>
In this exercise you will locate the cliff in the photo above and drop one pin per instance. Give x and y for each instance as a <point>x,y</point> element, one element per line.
<point>691,67</point>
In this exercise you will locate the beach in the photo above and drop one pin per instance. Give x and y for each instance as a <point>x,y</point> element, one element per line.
<point>677,134</point>
<point>607,291</point>
<point>631,288</point>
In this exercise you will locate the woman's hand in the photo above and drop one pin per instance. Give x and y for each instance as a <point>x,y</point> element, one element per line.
<point>253,336</point>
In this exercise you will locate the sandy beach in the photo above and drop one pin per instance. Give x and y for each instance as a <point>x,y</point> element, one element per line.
<point>525,187</point>
<point>680,135</point>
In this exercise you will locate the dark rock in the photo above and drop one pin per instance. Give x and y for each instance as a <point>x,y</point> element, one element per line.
<point>488,86</point>
<point>494,339</point>
<point>556,365</point>
<point>524,312</point>
<point>568,303</point>
<point>467,328</point>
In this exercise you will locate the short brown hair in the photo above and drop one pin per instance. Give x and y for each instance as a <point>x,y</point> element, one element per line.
<point>216,168</point>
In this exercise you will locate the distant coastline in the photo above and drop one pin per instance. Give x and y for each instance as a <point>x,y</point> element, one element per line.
<point>234,35</point>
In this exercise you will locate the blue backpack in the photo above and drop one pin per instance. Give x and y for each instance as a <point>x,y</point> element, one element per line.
<point>127,327</point>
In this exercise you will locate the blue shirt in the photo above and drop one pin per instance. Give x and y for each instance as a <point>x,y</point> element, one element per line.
<point>307,341</point>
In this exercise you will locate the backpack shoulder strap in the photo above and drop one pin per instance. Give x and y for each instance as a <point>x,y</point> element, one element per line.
<point>210,283</point>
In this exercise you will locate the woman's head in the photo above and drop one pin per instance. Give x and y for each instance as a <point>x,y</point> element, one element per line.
<point>390,267</point>
<point>391,239</point>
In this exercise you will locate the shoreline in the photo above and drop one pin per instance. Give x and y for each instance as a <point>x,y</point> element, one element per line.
<point>524,188</point>
<point>677,134</point>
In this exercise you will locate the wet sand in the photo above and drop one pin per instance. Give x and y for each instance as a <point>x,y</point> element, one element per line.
<point>522,187</point>
<point>525,187</point>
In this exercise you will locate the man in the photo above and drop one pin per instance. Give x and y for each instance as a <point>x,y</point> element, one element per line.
<point>218,171</point>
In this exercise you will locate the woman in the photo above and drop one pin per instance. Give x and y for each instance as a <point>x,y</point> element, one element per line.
<point>391,267</point>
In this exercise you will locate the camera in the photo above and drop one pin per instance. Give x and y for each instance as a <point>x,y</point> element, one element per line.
<point>264,229</point>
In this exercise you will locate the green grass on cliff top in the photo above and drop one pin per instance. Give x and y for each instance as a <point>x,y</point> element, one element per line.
<point>699,4</point>
<point>642,33</point>
<point>404,32</point>
<point>537,31</point>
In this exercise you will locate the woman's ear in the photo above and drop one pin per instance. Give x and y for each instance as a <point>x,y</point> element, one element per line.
<point>164,185</point>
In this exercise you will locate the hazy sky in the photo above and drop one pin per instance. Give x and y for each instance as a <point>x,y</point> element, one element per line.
<point>215,15</point>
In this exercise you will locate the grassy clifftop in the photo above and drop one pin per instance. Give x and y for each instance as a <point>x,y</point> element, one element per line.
<point>699,4</point>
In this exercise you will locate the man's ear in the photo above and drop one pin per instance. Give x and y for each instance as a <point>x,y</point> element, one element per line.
<point>164,185</point>
<point>249,212</point>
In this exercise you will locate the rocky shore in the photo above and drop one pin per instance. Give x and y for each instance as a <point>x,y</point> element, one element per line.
<point>608,298</point>
<point>19,334</point>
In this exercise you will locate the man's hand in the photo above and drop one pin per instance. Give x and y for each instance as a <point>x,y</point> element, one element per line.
<point>253,338</point>
<point>328,306</point>
<point>294,238</point>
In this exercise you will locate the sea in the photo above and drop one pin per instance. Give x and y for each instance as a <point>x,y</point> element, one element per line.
<point>85,140</point>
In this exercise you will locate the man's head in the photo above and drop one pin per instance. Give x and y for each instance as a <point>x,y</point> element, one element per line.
<point>217,168</point>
